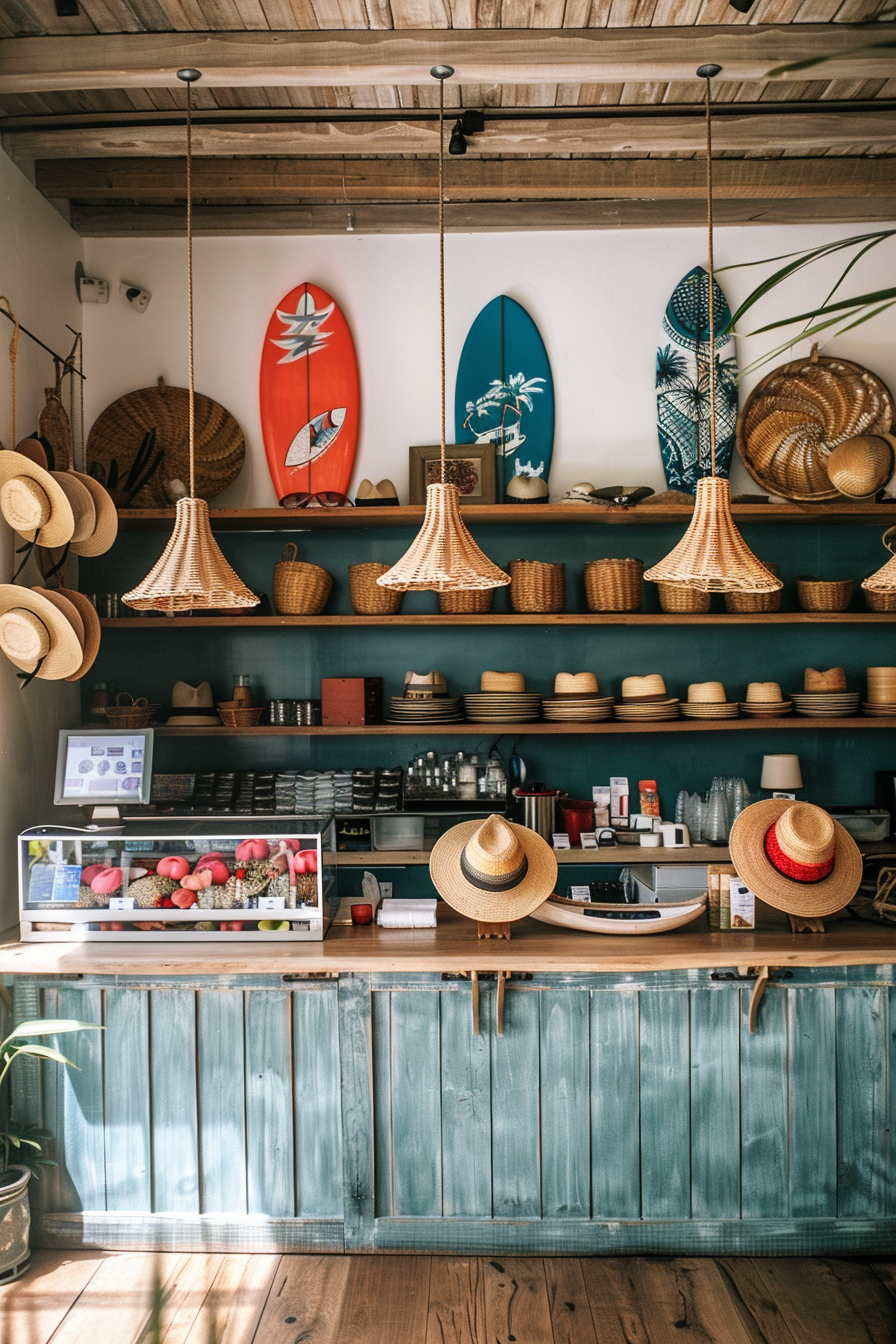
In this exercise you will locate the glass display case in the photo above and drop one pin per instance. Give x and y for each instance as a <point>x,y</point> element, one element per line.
<point>170,881</point>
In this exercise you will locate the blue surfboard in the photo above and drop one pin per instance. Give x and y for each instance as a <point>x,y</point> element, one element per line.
<point>504,392</point>
<point>682,383</point>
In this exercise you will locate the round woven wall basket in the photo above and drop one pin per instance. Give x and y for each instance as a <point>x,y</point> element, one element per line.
<point>115,441</point>
<point>796,416</point>
<point>613,585</point>
<point>368,598</point>
<point>300,589</point>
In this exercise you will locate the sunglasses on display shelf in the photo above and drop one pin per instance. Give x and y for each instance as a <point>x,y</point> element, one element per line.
<point>321,499</point>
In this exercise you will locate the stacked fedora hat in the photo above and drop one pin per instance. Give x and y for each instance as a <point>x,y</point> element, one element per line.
<point>645,700</point>
<point>707,700</point>
<point>33,502</point>
<point>95,515</point>
<point>493,871</point>
<point>577,699</point>
<point>52,635</point>
<point>795,857</point>
<point>765,701</point>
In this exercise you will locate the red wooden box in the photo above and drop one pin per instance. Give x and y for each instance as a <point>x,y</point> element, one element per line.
<point>351,701</point>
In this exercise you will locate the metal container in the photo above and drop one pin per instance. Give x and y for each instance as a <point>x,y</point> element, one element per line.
<point>537,809</point>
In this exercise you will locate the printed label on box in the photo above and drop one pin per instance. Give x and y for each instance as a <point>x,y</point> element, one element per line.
<point>273,903</point>
<point>743,904</point>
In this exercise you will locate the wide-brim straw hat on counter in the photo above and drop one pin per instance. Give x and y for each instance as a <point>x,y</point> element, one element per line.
<point>795,857</point>
<point>502,681</point>
<point>576,683</point>
<point>651,687</point>
<point>40,637</point>
<point>33,502</point>
<point>493,870</point>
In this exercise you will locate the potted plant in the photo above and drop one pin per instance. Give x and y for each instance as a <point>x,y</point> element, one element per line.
<point>21,1147</point>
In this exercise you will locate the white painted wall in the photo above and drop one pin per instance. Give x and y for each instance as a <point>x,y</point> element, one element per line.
<point>597,297</point>
<point>38,253</point>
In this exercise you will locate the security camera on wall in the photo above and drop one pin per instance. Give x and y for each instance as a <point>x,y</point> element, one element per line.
<point>138,298</point>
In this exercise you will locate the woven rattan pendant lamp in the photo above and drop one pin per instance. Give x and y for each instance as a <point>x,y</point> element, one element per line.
<point>443,555</point>
<point>883,580</point>
<point>712,556</point>
<point>192,574</point>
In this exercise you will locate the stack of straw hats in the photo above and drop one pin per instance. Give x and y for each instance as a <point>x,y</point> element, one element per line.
<point>881,702</point>
<point>425,700</point>
<point>765,701</point>
<point>577,699</point>
<point>55,508</point>
<point>502,698</point>
<point>707,700</point>
<point>53,635</point>
<point>645,700</point>
<point>825,695</point>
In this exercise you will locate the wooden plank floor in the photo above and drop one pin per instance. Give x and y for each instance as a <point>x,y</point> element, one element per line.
<point>97,1297</point>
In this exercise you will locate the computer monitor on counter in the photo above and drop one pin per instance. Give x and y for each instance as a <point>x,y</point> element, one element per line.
<point>102,768</point>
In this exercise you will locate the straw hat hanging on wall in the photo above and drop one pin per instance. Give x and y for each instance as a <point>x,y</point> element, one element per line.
<point>712,556</point>
<point>443,555</point>
<point>192,574</point>
<point>38,635</point>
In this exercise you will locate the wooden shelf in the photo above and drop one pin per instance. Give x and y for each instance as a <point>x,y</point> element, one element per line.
<point>428,619</point>
<point>620,855</point>
<point>530,729</point>
<point>408,515</point>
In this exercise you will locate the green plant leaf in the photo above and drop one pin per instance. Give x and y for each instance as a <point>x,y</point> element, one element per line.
<point>50,1027</point>
<point>839,306</point>
<point>44,1052</point>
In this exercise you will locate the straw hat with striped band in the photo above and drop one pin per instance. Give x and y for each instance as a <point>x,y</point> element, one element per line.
<point>33,502</point>
<point>795,857</point>
<point>37,636</point>
<point>493,870</point>
<point>71,599</point>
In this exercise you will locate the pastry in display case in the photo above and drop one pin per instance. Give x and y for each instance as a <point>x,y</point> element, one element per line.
<point>177,882</point>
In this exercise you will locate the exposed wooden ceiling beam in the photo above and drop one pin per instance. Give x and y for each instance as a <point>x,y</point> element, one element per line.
<point>299,181</point>
<point>481,217</point>
<point>506,56</point>
<point>643,134</point>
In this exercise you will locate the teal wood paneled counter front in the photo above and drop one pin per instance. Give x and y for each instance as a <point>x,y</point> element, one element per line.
<point>318,1103</point>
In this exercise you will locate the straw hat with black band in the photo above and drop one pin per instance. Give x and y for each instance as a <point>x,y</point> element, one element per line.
<point>494,871</point>
<point>37,636</point>
<point>795,857</point>
<point>33,502</point>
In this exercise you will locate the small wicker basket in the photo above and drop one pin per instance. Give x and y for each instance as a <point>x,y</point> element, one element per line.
<point>613,585</point>
<point>824,594</point>
<point>879,601</point>
<point>239,716</point>
<point>368,598</point>
<point>676,598</point>
<point>537,585</point>
<point>128,712</point>
<point>755,602</point>
<point>300,589</point>
<point>468,601</point>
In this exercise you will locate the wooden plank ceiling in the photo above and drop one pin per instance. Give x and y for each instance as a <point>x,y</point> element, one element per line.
<point>318,115</point>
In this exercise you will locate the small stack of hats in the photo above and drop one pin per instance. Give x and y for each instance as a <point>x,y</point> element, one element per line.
<point>577,699</point>
<point>765,701</point>
<point>502,698</point>
<point>881,702</point>
<point>425,700</point>
<point>825,695</point>
<point>707,700</point>
<point>53,635</point>
<point>645,700</point>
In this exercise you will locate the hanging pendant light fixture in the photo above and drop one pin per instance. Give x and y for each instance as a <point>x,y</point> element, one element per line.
<point>443,555</point>
<point>883,580</point>
<point>192,574</point>
<point>712,556</point>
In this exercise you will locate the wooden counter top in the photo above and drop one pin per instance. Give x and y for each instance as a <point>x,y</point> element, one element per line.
<point>453,946</point>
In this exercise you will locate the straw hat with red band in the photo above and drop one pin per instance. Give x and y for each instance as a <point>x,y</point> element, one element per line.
<point>795,857</point>
<point>493,870</point>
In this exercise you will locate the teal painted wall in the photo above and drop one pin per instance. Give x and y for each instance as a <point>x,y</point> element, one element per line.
<point>838,766</point>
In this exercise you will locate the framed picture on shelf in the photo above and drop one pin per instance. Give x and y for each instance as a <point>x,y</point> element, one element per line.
<point>469,466</point>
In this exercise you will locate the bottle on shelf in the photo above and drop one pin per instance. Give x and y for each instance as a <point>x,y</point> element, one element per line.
<point>242,693</point>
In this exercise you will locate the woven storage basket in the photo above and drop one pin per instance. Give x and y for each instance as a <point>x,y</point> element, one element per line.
<point>613,585</point>
<point>824,594</point>
<point>468,602</point>
<point>879,601</point>
<point>675,598</point>
<point>368,598</point>
<point>536,585</point>
<point>300,589</point>
<point>747,602</point>
<point>129,713</point>
<point>239,716</point>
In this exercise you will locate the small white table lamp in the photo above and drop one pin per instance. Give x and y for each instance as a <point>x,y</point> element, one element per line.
<point>781,775</point>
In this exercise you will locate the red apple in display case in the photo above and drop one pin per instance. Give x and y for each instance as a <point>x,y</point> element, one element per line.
<point>173,866</point>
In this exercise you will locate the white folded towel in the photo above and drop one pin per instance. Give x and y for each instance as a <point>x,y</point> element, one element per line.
<point>399,914</point>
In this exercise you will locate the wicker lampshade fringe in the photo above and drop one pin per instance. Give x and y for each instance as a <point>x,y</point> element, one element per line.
<point>712,555</point>
<point>883,580</point>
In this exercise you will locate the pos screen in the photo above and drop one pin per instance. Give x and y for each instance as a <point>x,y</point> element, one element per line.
<point>96,766</point>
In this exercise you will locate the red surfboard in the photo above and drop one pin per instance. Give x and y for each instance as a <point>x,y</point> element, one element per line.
<point>310,394</point>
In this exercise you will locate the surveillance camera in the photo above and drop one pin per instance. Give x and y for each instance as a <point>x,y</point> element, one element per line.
<point>138,298</point>
<point>91,290</point>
